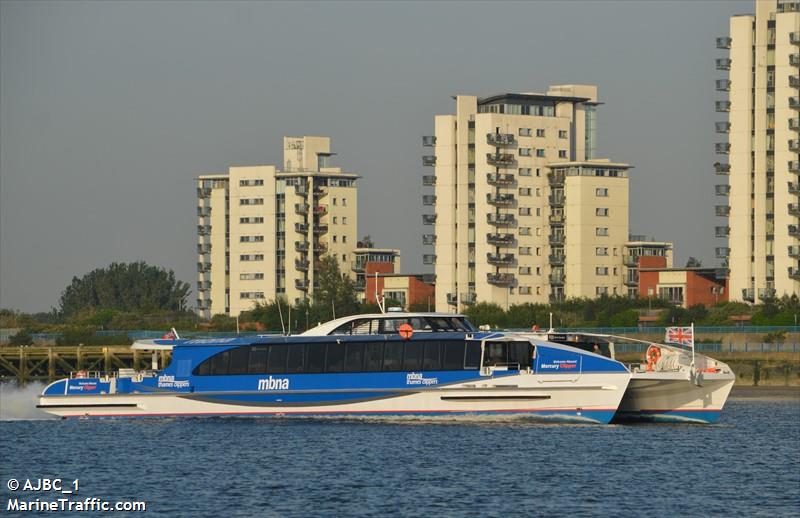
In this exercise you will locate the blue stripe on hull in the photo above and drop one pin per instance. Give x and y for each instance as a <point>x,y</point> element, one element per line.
<point>669,416</point>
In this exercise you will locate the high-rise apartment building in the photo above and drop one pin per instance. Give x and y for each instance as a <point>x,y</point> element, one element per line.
<point>524,212</point>
<point>262,231</point>
<point>762,154</point>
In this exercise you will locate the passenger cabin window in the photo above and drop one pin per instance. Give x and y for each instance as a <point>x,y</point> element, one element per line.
<point>514,355</point>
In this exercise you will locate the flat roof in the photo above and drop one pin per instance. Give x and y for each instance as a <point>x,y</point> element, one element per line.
<point>590,163</point>
<point>531,97</point>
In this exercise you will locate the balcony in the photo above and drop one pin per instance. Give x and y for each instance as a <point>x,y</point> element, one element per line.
<point>452,299</point>
<point>429,219</point>
<point>794,209</point>
<point>556,239</point>
<point>794,251</point>
<point>721,168</point>
<point>723,210</point>
<point>630,260</point>
<point>794,188</point>
<point>500,200</point>
<point>794,60</point>
<point>766,293</point>
<point>794,103</point>
<point>722,148</point>
<point>203,267</point>
<point>723,85</point>
<point>794,81</point>
<point>632,279</point>
<point>723,43</point>
<point>320,210</point>
<point>429,278</point>
<point>428,141</point>
<point>500,179</point>
<point>500,279</point>
<point>301,190</point>
<point>722,106</point>
<point>204,249</point>
<point>429,199</point>
<point>723,63</point>
<point>204,286</point>
<point>723,127</point>
<point>203,192</point>
<point>500,219</point>
<point>794,231</point>
<point>794,273</point>
<point>301,227</point>
<point>301,284</point>
<point>556,219</point>
<point>319,192</point>
<point>722,252</point>
<point>203,230</point>
<point>429,160</point>
<point>556,179</point>
<point>320,248</point>
<point>301,208</point>
<point>500,259</point>
<point>722,231</point>
<point>320,229</point>
<point>499,139</point>
<point>556,259</point>
<point>429,259</point>
<point>794,166</point>
<point>794,145</point>
<point>203,212</point>
<point>301,246</point>
<point>556,200</point>
<point>722,190</point>
<point>429,180</point>
<point>429,239</point>
<point>748,294</point>
<point>794,38</point>
<point>357,266</point>
<point>301,264</point>
<point>469,298</point>
<point>556,279</point>
<point>500,159</point>
<point>500,239</point>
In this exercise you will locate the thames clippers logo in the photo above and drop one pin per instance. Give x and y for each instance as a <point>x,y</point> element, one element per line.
<point>171,382</point>
<point>84,385</point>
<point>560,365</point>
<point>273,384</point>
<point>416,378</point>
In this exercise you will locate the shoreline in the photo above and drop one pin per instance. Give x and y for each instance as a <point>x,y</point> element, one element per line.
<point>768,391</point>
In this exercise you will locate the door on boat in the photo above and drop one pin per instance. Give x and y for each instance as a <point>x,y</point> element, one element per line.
<point>507,355</point>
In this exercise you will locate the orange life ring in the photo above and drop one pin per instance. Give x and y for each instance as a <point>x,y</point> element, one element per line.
<point>653,355</point>
<point>81,374</point>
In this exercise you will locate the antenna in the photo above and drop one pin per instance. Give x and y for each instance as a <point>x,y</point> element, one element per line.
<point>280,313</point>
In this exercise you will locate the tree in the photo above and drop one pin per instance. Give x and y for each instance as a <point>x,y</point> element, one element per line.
<point>126,287</point>
<point>23,337</point>
<point>335,291</point>
<point>694,263</point>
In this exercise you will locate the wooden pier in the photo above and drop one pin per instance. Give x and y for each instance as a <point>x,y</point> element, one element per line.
<point>26,364</point>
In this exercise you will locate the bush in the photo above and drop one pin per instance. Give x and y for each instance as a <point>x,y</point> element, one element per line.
<point>23,337</point>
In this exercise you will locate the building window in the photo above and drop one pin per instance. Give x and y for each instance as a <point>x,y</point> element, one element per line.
<point>524,132</point>
<point>540,153</point>
<point>601,270</point>
<point>562,134</point>
<point>524,250</point>
<point>524,191</point>
<point>562,153</point>
<point>334,239</point>
<point>525,231</point>
<point>251,257</point>
<point>251,295</point>
<point>524,290</point>
<point>601,212</point>
<point>251,276</point>
<point>524,270</point>
<point>524,151</point>
<point>344,239</point>
<point>344,258</point>
<point>344,202</point>
<point>601,191</point>
<point>344,220</point>
<point>524,171</point>
<point>251,183</point>
<point>540,132</point>
<point>601,290</point>
<point>538,172</point>
<point>251,201</point>
<point>251,239</point>
<point>672,294</point>
<point>601,231</point>
<point>335,219</point>
<point>601,250</point>
<point>524,211</point>
<point>538,270</point>
<point>258,219</point>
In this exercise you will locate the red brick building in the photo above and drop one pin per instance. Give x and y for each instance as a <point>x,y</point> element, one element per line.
<point>408,289</point>
<point>684,286</point>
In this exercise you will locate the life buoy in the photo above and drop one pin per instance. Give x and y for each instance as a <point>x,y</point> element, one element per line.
<point>653,355</point>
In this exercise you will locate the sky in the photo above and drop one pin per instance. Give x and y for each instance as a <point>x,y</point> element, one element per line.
<point>109,110</point>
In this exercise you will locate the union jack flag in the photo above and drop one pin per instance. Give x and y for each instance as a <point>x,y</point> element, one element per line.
<point>680,335</point>
<point>169,336</point>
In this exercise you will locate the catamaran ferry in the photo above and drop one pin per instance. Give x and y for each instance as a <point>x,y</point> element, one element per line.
<point>382,364</point>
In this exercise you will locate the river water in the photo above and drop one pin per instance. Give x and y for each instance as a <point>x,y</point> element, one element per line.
<point>746,465</point>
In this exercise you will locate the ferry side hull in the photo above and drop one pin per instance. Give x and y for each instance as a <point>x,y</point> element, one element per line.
<point>594,399</point>
<point>668,397</point>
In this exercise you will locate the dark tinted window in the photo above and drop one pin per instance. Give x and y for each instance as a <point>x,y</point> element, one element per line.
<point>519,354</point>
<point>354,358</point>
<point>335,361</point>
<point>454,356</point>
<point>219,364</point>
<point>413,357</point>
<point>295,360</point>
<point>495,353</point>
<point>203,368</point>
<point>239,360</point>
<point>374,358</point>
<point>258,359</point>
<point>277,359</point>
<point>433,356</point>
<point>315,358</point>
<point>472,360</point>
<point>393,356</point>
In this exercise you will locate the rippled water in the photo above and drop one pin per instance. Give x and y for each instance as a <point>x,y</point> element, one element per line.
<point>747,465</point>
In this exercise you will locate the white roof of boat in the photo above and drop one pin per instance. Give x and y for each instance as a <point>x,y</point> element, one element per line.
<point>327,327</point>
<point>151,345</point>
